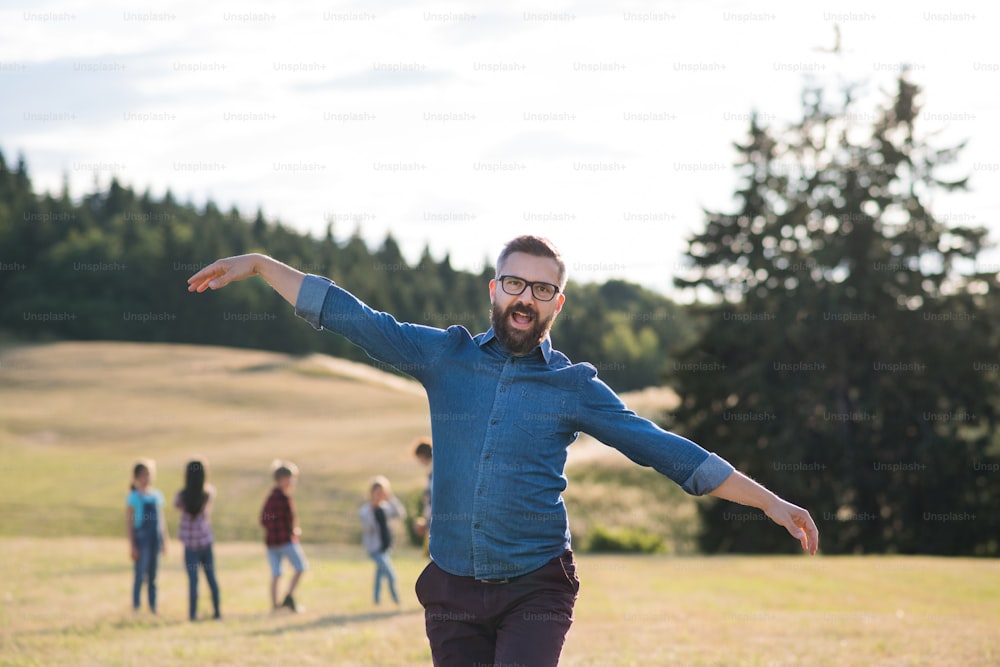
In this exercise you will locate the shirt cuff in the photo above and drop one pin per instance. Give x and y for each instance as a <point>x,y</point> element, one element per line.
<point>712,472</point>
<point>312,295</point>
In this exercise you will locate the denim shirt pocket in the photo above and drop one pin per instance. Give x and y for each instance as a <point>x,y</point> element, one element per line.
<point>541,419</point>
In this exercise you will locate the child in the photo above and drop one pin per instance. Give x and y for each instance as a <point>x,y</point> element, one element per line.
<point>195,503</point>
<point>377,538</point>
<point>422,525</point>
<point>147,530</point>
<point>282,538</point>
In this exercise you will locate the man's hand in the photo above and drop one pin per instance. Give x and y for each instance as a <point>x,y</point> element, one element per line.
<point>797,521</point>
<point>221,272</point>
<point>285,280</point>
<point>739,488</point>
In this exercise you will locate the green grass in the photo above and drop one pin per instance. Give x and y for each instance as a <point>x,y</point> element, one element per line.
<point>70,604</point>
<point>75,416</point>
<point>66,602</point>
<point>619,497</point>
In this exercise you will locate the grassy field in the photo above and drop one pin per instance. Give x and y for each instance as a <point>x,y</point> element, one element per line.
<point>65,602</point>
<point>75,416</point>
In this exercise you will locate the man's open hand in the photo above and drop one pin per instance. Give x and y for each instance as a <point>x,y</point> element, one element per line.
<point>221,272</point>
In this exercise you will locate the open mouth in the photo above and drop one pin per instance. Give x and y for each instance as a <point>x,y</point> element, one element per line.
<point>522,318</point>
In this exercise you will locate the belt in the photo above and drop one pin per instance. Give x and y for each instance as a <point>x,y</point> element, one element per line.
<point>507,580</point>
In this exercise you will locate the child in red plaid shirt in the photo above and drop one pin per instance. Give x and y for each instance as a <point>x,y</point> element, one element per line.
<point>282,531</point>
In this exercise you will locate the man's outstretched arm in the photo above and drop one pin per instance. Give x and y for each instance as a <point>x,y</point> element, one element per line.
<point>285,280</point>
<point>741,489</point>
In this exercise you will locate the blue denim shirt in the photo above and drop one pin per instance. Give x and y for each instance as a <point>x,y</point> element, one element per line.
<point>501,425</point>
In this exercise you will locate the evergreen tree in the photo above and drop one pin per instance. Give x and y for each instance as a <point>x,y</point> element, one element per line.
<point>841,364</point>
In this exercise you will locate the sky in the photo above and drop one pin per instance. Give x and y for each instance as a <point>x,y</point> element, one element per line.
<point>607,127</point>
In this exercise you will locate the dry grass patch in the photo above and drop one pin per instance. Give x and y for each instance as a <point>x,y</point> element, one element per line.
<point>68,604</point>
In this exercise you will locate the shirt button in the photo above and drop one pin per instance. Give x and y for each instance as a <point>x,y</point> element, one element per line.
<point>486,457</point>
<point>502,389</point>
<point>493,421</point>
<point>476,526</point>
<point>480,492</point>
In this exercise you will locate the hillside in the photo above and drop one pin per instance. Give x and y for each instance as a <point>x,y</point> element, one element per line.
<point>75,416</point>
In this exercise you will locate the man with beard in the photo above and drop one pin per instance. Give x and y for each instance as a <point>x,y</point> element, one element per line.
<point>505,406</point>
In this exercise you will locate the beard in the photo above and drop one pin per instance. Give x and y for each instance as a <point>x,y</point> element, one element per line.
<point>519,341</point>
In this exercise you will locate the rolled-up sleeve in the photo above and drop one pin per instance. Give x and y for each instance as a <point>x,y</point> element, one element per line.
<point>709,474</point>
<point>312,295</point>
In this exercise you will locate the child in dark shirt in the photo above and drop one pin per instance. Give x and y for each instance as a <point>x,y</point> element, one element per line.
<point>282,532</point>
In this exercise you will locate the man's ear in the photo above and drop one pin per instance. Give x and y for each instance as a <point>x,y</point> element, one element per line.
<point>493,289</point>
<point>560,300</point>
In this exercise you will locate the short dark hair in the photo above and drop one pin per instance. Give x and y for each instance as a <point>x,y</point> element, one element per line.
<point>423,449</point>
<point>282,469</point>
<point>537,246</point>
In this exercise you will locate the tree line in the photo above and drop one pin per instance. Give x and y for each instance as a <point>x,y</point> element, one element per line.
<point>113,265</point>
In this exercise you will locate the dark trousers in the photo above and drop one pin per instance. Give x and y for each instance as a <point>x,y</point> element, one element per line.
<point>192,559</point>
<point>522,622</point>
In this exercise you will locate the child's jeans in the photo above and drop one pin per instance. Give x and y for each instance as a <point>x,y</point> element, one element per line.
<point>192,559</point>
<point>383,568</point>
<point>148,544</point>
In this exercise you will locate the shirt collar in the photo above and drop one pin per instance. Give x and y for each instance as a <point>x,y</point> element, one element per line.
<point>545,347</point>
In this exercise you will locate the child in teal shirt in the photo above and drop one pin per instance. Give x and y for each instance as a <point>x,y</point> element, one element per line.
<point>147,531</point>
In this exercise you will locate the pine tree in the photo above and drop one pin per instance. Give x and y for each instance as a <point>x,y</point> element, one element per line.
<point>840,365</point>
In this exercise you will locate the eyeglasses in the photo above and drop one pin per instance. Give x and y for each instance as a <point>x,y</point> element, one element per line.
<point>514,286</point>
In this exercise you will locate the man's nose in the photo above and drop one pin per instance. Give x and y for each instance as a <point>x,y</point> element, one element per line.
<point>526,297</point>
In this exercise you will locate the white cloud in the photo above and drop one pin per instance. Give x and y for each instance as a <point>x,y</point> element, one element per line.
<point>411,117</point>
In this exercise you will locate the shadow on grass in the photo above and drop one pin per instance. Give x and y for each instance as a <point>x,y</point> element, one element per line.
<point>138,622</point>
<point>337,620</point>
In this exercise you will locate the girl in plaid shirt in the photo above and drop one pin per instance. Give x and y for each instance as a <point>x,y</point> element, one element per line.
<point>195,503</point>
